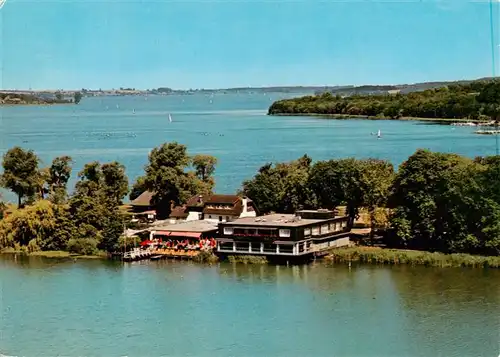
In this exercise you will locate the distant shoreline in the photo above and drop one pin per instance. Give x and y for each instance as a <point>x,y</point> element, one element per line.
<point>374,118</point>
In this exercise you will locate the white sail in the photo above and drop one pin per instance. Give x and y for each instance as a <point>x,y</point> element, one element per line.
<point>379,134</point>
<point>169,118</point>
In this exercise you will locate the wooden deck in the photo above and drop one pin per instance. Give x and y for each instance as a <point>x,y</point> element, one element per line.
<point>177,253</point>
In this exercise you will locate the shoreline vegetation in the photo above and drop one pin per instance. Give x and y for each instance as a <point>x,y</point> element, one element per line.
<point>388,256</point>
<point>475,101</point>
<point>435,202</point>
<point>339,256</point>
<point>445,121</point>
<point>12,98</point>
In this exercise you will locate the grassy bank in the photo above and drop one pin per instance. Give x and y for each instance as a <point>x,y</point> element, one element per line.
<point>52,254</point>
<point>370,255</point>
<point>366,117</point>
<point>247,259</point>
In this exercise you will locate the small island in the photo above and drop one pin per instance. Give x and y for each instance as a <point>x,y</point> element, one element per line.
<point>475,101</point>
<point>25,98</point>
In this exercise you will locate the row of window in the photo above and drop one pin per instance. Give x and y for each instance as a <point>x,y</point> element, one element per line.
<point>286,233</point>
<point>325,228</point>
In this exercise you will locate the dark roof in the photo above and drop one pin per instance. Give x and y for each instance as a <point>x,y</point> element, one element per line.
<point>277,220</point>
<point>179,212</point>
<point>235,210</point>
<point>144,199</point>
<point>197,201</point>
<point>226,199</point>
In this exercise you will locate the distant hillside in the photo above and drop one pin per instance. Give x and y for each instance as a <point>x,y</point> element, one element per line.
<point>475,100</point>
<point>401,88</point>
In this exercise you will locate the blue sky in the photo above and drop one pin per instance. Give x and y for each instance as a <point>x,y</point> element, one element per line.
<point>214,44</point>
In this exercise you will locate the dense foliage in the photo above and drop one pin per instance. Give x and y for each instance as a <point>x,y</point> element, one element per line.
<point>439,202</point>
<point>89,219</point>
<point>86,222</point>
<point>474,100</point>
<point>169,177</point>
<point>436,201</point>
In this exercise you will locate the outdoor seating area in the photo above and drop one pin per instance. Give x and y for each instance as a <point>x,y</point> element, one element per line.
<point>186,247</point>
<point>178,247</point>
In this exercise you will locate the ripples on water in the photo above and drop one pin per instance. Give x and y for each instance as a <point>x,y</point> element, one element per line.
<point>99,308</point>
<point>232,127</point>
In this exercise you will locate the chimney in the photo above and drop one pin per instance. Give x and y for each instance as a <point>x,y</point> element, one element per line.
<point>244,202</point>
<point>200,199</point>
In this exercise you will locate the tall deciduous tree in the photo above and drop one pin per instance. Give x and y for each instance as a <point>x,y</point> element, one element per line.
<point>442,202</point>
<point>59,175</point>
<point>77,97</point>
<point>115,181</point>
<point>282,188</point>
<point>204,166</point>
<point>167,176</point>
<point>94,205</point>
<point>355,183</point>
<point>376,180</point>
<point>20,173</point>
<point>336,182</point>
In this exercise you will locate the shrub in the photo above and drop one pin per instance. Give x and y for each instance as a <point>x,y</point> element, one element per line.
<point>83,246</point>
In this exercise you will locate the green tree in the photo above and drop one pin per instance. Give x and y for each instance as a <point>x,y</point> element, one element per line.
<point>113,230</point>
<point>441,204</point>
<point>115,181</point>
<point>166,175</point>
<point>20,173</point>
<point>77,97</point>
<point>204,166</point>
<point>58,177</point>
<point>35,224</point>
<point>337,182</point>
<point>94,207</point>
<point>376,182</point>
<point>282,188</point>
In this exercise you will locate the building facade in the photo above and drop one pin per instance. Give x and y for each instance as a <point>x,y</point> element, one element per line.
<point>305,233</point>
<point>214,208</point>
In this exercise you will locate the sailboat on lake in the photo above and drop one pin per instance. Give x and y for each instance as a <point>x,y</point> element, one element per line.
<point>379,134</point>
<point>169,118</point>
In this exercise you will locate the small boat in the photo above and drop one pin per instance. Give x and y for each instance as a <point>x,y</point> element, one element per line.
<point>169,118</point>
<point>379,134</point>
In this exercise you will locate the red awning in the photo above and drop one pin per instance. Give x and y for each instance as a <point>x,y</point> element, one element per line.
<point>179,234</point>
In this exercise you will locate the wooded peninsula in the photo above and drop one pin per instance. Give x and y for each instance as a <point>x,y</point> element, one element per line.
<point>476,100</point>
<point>435,202</point>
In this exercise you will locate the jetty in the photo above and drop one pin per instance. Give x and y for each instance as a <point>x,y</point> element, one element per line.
<point>137,254</point>
<point>488,132</point>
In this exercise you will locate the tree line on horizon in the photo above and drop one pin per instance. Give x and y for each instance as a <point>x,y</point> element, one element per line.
<point>434,202</point>
<point>477,100</point>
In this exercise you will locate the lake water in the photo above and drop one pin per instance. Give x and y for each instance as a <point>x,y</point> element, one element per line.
<point>167,308</point>
<point>232,127</point>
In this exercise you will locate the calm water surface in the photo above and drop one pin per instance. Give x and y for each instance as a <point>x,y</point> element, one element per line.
<point>99,308</point>
<point>233,127</point>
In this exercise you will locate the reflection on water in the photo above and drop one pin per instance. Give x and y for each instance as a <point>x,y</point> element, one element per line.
<point>104,308</point>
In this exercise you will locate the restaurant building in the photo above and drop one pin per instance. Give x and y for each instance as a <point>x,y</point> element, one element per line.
<point>194,230</point>
<point>307,232</point>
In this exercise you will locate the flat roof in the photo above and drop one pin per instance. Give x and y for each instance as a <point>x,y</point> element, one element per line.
<point>276,219</point>
<point>191,226</point>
